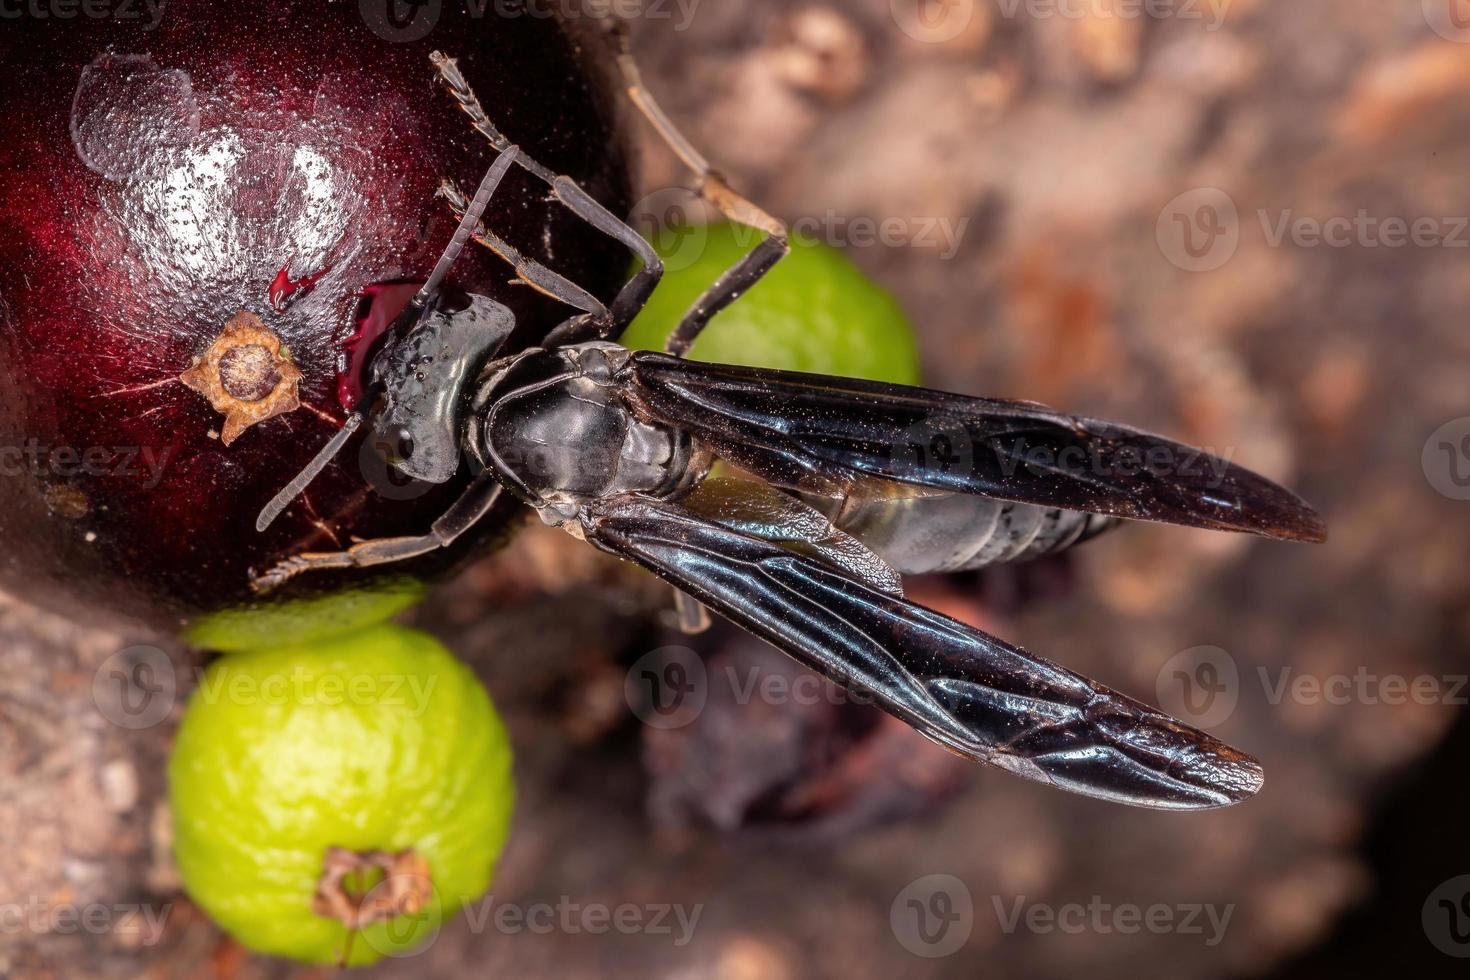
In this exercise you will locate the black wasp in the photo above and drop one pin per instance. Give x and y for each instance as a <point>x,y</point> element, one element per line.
<point>854,484</point>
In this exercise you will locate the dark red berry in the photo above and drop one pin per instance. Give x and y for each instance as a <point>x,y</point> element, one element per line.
<point>195,222</point>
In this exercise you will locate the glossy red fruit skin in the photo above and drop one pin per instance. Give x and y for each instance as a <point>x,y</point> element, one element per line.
<point>152,185</point>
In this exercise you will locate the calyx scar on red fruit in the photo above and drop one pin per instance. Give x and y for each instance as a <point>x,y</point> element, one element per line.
<point>247,375</point>
<point>153,188</point>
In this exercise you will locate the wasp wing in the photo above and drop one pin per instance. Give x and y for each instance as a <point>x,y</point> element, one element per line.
<point>838,437</point>
<point>968,691</point>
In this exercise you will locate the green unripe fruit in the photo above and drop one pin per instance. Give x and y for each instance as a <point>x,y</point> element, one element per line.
<point>335,802</point>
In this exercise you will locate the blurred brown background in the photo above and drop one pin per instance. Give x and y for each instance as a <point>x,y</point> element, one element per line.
<point>1239,222</point>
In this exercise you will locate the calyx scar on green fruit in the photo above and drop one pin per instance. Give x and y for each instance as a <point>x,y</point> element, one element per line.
<point>197,215</point>
<point>339,800</point>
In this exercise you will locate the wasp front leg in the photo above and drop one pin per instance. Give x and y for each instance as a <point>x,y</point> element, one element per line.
<point>599,321</point>
<point>382,551</point>
<point>476,502</point>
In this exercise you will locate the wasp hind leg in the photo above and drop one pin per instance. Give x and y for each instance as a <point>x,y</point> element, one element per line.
<point>466,512</point>
<point>714,188</point>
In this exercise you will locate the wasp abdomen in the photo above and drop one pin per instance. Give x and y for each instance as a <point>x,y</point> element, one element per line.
<point>919,535</point>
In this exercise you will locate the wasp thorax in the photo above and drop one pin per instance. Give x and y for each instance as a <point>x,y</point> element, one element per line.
<point>563,434</point>
<point>562,439</point>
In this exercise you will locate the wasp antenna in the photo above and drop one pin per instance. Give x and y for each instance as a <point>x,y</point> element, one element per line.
<point>467,225</point>
<point>313,469</point>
